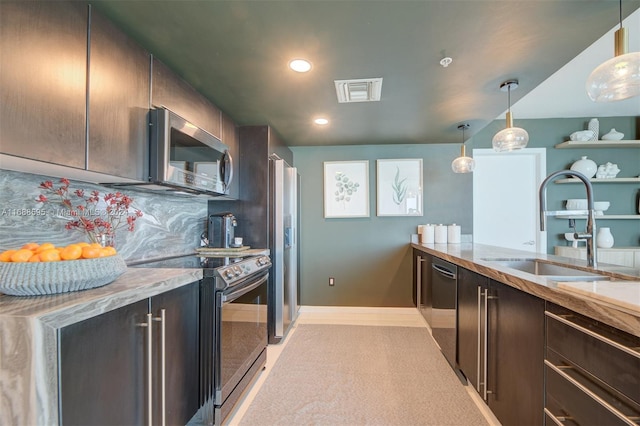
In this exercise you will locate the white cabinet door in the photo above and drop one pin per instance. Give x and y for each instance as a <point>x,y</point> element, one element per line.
<point>505,198</point>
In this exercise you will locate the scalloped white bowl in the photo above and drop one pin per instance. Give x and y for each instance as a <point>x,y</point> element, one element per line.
<point>38,278</point>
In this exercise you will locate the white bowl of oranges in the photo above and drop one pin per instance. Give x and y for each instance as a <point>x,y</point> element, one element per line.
<point>37,269</point>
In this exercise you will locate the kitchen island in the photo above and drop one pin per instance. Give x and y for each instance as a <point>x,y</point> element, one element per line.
<point>541,338</point>
<point>31,342</point>
<point>616,303</point>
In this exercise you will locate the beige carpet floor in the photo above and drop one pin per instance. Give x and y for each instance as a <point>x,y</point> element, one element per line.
<point>361,375</point>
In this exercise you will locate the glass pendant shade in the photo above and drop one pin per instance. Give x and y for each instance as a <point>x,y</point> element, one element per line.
<point>616,79</point>
<point>511,138</point>
<point>463,164</point>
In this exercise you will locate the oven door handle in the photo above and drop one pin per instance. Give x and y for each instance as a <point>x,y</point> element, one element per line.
<point>244,290</point>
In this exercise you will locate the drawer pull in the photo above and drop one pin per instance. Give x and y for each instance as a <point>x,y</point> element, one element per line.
<point>589,393</point>
<point>557,419</point>
<point>600,337</point>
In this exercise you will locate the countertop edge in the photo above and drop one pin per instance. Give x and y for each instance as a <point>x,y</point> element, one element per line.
<point>31,324</point>
<point>469,256</point>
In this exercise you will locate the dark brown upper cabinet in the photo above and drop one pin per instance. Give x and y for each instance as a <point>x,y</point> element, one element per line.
<point>172,92</point>
<point>43,81</point>
<point>119,80</point>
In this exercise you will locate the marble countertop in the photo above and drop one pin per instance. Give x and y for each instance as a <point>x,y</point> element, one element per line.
<point>615,301</point>
<point>58,310</point>
<point>28,330</point>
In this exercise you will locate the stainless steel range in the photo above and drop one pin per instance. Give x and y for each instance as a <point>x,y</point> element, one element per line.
<point>233,326</point>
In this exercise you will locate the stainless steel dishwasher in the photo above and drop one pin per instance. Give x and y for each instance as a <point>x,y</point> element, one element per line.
<point>444,283</point>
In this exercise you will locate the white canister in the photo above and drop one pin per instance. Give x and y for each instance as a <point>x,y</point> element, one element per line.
<point>441,234</point>
<point>453,234</point>
<point>428,236</point>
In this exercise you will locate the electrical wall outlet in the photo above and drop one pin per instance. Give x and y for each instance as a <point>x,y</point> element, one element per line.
<point>332,281</point>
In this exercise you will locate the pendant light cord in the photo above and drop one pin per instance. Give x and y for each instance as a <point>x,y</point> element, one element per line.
<point>620,11</point>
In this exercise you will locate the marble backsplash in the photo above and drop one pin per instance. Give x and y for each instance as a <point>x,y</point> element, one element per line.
<point>170,225</point>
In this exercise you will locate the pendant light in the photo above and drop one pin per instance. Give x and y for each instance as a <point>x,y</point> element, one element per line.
<point>511,138</point>
<point>619,77</point>
<point>463,164</point>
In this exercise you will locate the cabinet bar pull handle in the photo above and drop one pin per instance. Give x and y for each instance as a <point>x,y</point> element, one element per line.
<point>594,335</point>
<point>589,393</point>
<point>479,339</point>
<point>163,370</point>
<point>149,369</point>
<point>419,281</point>
<point>555,419</point>
<point>486,340</point>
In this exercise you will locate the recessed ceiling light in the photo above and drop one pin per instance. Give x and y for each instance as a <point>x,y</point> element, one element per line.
<point>300,65</point>
<point>321,121</point>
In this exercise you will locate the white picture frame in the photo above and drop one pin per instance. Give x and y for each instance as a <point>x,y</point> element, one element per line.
<point>399,187</point>
<point>346,189</point>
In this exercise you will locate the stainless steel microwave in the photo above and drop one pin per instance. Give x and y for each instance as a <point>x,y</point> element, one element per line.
<point>186,157</point>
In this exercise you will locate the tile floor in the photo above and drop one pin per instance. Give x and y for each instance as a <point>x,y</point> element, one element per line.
<point>402,317</point>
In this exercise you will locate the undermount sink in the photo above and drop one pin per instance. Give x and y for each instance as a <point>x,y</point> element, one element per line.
<point>548,270</point>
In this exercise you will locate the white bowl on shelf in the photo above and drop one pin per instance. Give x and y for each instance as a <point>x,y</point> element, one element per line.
<point>576,204</point>
<point>581,204</point>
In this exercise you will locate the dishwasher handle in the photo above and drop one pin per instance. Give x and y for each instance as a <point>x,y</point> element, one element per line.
<point>442,271</point>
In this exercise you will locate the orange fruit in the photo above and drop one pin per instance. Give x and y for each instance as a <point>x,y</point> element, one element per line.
<point>109,251</point>
<point>82,243</point>
<point>35,258</point>
<point>5,256</point>
<point>89,252</point>
<point>43,247</point>
<point>31,246</point>
<point>71,252</point>
<point>22,255</point>
<point>51,255</point>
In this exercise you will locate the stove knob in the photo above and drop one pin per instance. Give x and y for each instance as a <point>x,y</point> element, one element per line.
<point>228,274</point>
<point>237,271</point>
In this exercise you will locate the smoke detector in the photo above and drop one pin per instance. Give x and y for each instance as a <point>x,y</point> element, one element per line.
<point>359,90</point>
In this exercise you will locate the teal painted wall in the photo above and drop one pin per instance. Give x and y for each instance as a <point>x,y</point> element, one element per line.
<point>546,133</point>
<point>370,258</point>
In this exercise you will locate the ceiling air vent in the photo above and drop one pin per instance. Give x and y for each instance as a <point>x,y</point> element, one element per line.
<point>360,90</point>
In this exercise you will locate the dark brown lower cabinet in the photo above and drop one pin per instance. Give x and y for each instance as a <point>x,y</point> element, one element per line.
<point>592,371</point>
<point>111,373</point>
<point>501,347</point>
<point>422,284</point>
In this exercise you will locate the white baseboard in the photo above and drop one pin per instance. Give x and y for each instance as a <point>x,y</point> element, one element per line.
<point>358,310</point>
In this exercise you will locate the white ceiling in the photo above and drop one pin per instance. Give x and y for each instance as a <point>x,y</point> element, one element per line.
<point>563,94</point>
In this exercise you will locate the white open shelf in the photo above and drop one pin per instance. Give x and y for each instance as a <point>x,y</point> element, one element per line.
<point>603,217</point>
<point>600,144</point>
<point>596,180</point>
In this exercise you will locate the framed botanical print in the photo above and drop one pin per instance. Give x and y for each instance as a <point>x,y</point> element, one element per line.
<point>399,187</point>
<point>346,189</point>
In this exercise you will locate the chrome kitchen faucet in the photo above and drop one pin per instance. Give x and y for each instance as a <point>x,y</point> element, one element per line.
<point>590,234</point>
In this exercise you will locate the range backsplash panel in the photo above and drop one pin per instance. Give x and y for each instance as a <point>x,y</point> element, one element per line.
<point>170,224</point>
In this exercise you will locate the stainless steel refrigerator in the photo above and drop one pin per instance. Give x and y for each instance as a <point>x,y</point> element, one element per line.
<point>267,217</point>
<point>283,220</point>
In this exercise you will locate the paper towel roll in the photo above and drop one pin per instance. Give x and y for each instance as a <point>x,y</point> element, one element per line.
<point>428,235</point>
<point>441,234</point>
<point>453,234</point>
